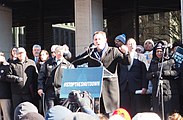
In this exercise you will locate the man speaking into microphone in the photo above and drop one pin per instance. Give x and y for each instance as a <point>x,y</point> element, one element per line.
<point>109,57</point>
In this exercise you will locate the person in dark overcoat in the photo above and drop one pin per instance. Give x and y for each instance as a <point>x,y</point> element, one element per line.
<point>5,89</point>
<point>168,77</point>
<point>133,78</point>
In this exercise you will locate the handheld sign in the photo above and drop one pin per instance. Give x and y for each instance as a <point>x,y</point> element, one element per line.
<point>178,55</point>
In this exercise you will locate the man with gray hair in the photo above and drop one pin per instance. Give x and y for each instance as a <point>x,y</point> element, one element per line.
<point>24,72</point>
<point>49,78</point>
<point>53,47</point>
<point>36,49</point>
<point>67,53</point>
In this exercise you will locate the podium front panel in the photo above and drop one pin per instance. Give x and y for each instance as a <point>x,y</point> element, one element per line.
<point>83,79</point>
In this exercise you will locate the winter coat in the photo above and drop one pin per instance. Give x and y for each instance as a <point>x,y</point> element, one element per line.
<point>50,76</point>
<point>5,86</point>
<point>168,78</point>
<point>26,70</point>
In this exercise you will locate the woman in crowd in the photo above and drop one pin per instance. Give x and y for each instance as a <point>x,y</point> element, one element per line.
<point>43,56</point>
<point>13,54</point>
<point>169,82</point>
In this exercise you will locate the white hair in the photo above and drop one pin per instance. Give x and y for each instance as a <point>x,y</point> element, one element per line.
<point>36,46</point>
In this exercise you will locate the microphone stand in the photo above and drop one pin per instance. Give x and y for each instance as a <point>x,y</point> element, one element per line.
<point>86,58</point>
<point>97,63</point>
<point>160,85</point>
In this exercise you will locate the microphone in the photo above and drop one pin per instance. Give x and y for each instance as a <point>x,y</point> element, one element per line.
<point>166,50</point>
<point>167,46</point>
<point>90,47</point>
<point>93,47</point>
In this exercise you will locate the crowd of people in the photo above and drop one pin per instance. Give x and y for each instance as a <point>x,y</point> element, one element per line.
<point>145,79</point>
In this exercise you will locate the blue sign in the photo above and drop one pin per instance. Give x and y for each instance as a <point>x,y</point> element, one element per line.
<point>178,55</point>
<point>83,79</point>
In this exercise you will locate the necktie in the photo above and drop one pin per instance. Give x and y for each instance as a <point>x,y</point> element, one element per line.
<point>36,59</point>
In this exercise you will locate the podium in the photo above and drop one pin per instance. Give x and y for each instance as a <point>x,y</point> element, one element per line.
<point>84,79</point>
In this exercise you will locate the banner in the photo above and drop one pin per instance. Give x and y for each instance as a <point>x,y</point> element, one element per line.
<point>83,79</point>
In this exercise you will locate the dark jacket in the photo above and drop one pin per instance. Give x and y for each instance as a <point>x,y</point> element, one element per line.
<point>169,73</point>
<point>5,86</point>
<point>134,78</point>
<point>169,79</point>
<point>169,76</point>
<point>26,70</point>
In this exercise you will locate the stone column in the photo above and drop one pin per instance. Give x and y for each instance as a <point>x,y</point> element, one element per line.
<point>88,18</point>
<point>5,30</point>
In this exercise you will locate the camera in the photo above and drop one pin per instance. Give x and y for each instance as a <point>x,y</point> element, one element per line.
<point>73,95</point>
<point>73,100</point>
<point>78,99</point>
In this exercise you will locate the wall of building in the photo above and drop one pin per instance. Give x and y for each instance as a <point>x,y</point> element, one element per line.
<point>5,30</point>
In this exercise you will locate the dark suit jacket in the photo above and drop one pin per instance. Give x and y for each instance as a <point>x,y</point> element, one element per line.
<point>134,78</point>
